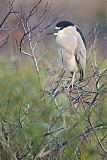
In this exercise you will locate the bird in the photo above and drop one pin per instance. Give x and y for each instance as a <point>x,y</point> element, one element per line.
<point>71,48</point>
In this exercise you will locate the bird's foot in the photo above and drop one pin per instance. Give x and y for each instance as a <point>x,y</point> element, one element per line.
<point>70,87</point>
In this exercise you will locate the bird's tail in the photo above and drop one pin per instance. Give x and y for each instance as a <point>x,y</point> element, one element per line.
<point>81,75</point>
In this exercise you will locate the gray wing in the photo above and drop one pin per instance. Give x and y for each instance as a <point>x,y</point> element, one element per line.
<point>80,55</point>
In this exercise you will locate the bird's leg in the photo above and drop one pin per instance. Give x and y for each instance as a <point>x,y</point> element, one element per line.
<point>73,79</point>
<point>72,82</point>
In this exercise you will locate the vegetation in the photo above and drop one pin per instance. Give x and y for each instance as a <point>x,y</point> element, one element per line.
<point>37,123</point>
<point>40,118</point>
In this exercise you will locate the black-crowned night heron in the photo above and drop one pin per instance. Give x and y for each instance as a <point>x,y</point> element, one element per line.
<point>71,47</point>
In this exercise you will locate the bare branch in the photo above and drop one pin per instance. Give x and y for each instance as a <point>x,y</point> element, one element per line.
<point>33,10</point>
<point>4,41</point>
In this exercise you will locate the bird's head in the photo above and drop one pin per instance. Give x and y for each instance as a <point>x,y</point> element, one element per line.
<point>60,26</point>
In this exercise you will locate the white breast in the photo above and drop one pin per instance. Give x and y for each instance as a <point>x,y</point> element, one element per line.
<point>66,61</point>
<point>66,41</point>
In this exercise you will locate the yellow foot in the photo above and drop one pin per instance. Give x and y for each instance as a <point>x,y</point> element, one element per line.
<point>70,87</point>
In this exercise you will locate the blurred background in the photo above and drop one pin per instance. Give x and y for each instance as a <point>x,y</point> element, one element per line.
<point>88,14</point>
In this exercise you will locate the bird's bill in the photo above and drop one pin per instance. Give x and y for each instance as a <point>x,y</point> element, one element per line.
<point>54,32</point>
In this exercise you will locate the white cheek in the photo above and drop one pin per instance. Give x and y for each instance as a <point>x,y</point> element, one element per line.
<point>57,28</point>
<point>55,34</point>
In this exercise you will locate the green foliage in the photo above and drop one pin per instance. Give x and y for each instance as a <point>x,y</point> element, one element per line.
<point>34,123</point>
